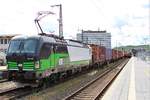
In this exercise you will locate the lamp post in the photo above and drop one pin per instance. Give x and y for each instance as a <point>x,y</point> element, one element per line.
<point>60,20</point>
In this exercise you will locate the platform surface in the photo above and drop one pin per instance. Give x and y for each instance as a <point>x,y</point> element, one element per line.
<point>133,83</point>
<point>3,68</point>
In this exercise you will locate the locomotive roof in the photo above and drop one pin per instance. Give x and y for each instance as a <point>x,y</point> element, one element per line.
<point>76,43</point>
<point>45,38</point>
<point>22,37</point>
<point>51,39</point>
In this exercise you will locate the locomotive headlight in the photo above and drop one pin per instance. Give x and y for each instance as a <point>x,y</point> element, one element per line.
<point>37,64</point>
<point>20,65</point>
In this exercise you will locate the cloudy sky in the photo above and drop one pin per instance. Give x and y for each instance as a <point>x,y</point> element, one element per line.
<point>127,20</point>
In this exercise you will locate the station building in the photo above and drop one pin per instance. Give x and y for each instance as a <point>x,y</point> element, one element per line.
<point>4,41</point>
<point>101,38</point>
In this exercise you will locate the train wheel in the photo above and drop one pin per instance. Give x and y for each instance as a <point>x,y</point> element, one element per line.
<point>9,77</point>
<point>52,79</point>
<point>69,72</point>
<point>43,84</point>
<point>62,76</point>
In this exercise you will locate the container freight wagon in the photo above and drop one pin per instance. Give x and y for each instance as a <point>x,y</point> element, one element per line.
<point>114,54</point>
<point>120,54</point>
<point>98,54</point>
<point>108,54</point>
<point>126,54</point>
<point>95,54</point>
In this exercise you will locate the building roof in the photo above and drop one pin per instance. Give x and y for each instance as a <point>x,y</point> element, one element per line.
<point>90,31</point>
<point>7,35</point>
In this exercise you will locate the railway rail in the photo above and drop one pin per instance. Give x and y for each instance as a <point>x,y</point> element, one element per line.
<point>3,80</point>
<point>95,88</point>
<point>15,93</point>
<point>11,90</point>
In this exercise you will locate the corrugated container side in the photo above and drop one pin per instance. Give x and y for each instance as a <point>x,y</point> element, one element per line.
<point>108,54</point>
<point>95,57</point>
<point>98,53</point>
<point>114,54</point>
<point>102,53</point>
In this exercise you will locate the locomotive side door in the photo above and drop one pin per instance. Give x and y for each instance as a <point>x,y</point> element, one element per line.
<point>53,53</point>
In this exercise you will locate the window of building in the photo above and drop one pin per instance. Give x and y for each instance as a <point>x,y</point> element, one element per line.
<point>5,41</point>
<point>9,40</point>
<point>1,41</point>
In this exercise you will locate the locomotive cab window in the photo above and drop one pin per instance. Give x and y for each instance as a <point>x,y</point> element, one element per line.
<point>61,49</point>
<point>15,46</point>
<point>46,50</point>
<point>29,46</point>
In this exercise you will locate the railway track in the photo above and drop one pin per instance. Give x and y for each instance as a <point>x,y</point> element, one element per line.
<point>95,88</point>
<point>15,93</point>
<point>11,90</point>
<point>3,80</point>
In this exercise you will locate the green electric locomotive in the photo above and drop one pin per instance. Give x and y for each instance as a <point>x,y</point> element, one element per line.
<point>41,57</point>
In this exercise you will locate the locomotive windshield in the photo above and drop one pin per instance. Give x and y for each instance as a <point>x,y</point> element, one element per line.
<point>29,46</point>
<point>23,46</point>
<point>15,46</point>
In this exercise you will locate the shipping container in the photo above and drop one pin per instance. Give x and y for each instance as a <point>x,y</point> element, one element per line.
<point>98,54</point>
<point>114,54</point>
<point>108,54</point>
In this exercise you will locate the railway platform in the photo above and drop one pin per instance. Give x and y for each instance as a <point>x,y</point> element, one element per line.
<point>133,83</point>
<point>3,68</point>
